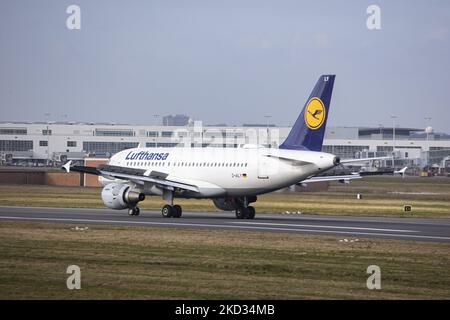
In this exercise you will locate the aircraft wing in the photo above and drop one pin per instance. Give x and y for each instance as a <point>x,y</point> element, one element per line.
<point>139,176</point>
<point>294,162</point>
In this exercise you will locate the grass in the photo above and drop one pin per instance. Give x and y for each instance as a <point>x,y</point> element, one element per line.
<point>136,262</point>
<point>382,196</point>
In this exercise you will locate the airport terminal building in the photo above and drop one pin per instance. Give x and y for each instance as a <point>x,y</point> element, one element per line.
<point>42,143</point>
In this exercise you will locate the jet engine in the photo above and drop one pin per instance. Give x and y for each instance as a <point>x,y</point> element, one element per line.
<point>120,196</point>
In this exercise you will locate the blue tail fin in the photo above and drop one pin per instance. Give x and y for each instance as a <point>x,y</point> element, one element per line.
<point>309,129</point>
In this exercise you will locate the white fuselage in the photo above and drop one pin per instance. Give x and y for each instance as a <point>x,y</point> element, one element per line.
<point>219,172</point>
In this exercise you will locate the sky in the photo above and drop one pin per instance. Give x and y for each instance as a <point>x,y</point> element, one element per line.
<point>228,61</point>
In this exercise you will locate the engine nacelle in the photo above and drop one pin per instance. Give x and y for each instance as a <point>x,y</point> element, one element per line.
<point>231,204</point>
<point>120,196</point>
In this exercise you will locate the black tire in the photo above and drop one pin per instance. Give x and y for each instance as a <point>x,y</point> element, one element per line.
<point>131,212</point>
<point>178,211</point>
<point>251,212</point>
<point>241,213</point>
<point>137,211</point>
<point>167,211</point>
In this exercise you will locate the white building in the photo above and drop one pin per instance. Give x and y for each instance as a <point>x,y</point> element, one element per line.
<point>39,142</point>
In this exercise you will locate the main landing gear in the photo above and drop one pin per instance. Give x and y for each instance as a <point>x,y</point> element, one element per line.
<point>245,213</point>
<point>135,211</point>
<point>170,210</point>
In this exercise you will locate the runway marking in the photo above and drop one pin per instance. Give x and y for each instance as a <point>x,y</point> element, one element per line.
<point>226,226</point>
<point>322,226</point>
<point>268,216</point>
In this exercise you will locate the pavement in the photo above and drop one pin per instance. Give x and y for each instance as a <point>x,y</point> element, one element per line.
<point>348,228</point>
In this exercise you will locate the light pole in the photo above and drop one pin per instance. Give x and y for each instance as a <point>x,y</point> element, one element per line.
<point>48,138</point>
<point>381,130</point>
<point>426,126</point>
<point>393,117</point>
<point>267,128</point>
<point>156,116</point>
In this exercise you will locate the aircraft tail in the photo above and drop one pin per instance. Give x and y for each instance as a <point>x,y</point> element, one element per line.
<point>309,129</point>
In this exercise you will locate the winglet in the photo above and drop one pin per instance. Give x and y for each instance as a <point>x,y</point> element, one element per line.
<point>401,171</point>
<point>67,166</point>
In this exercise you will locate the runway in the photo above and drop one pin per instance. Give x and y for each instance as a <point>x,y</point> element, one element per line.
<point>347,228</point>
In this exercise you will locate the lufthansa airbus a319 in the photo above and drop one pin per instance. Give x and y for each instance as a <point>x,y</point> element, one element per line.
<point>231,177</point>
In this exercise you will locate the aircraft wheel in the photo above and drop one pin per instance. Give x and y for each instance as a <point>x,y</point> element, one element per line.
<point>251,212</point>
<point>177,211</point>
<point>134,211</point>
<point>241,213</point>
<point>167,211</point>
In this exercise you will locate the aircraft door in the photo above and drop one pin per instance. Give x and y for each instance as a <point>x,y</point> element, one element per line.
<point>263,166</point>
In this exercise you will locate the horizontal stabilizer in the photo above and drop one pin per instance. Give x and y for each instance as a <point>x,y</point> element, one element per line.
<point>364,159</point>
<point>294,162</point>
<point>342,178</point>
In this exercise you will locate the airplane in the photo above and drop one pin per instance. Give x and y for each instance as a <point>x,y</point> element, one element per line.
<point>231,177</point>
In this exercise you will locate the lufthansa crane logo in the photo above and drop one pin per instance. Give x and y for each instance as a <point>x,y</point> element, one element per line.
<point>314,113</point>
